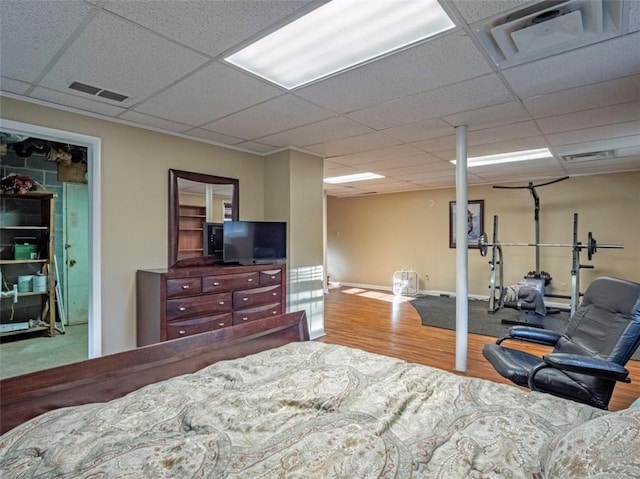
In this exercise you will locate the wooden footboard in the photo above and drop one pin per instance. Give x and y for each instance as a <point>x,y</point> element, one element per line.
<point>109,377</point>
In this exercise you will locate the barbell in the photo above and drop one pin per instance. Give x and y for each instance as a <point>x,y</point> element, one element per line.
<point>591,245</point>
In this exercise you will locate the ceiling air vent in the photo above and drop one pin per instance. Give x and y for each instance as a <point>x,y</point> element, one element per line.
<point>548,28</point>
<point>590,156</point>
<point>97,91</point>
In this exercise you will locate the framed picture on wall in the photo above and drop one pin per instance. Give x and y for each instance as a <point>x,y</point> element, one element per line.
<point>475,222</point>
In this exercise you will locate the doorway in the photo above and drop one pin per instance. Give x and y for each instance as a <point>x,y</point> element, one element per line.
<point>93,195</point>
<point>75,240</point>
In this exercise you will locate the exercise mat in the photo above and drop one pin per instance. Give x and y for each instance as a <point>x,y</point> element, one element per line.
<point>440,312</point>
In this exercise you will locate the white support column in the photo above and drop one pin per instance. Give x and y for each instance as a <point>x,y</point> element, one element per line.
<point>462,255</point>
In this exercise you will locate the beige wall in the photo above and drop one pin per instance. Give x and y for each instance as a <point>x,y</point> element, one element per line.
<point>135,164</point>
<point>370,237</point>
<point>296,196</point>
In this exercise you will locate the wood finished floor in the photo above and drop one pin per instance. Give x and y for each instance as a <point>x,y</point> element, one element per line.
<point>382,323</point>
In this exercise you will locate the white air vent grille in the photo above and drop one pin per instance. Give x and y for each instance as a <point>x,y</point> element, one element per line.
<point>548,28</point>
<point>590,156</point>
<point>97,91</point>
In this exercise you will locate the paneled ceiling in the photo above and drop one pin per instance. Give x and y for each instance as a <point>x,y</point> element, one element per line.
<point>395,116</point>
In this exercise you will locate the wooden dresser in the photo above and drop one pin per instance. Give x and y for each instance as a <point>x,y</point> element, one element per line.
<point>184,301</point>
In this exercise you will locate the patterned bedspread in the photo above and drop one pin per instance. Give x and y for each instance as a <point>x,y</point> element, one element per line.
<point>305,410</point>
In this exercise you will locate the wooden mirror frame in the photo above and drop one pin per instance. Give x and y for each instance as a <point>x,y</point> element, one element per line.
<point>174,216</point>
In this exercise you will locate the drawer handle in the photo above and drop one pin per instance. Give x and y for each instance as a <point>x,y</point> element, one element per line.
<point>250,280</point>
<point>220,302</point>
<point>182,308</point>
<point>221,324</point>
<point>215,283</point>
<point>245,319</point>
<point>274,312</point>
<point>185,286</point>
<point>274,294</point>
<point>182,331</point>
<point>245,299</point>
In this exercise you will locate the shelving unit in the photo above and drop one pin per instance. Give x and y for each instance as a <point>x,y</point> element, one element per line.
<point>190,234</point>
<point>27,224</point>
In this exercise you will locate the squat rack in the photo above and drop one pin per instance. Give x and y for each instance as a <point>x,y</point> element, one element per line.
<point>536,211</point>
<point>577,246</point>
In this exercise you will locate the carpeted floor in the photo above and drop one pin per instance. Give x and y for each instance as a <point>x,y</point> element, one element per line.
<point>440,312</point>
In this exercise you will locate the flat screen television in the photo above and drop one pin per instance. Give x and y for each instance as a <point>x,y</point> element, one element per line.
<point>212,240</point>
<point>254,242</point>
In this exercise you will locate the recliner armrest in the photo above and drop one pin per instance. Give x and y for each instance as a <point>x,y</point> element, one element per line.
<point>532,335</point>
<point>587,365</point>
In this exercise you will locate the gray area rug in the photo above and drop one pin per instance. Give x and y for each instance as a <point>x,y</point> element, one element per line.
<point>440,312</point>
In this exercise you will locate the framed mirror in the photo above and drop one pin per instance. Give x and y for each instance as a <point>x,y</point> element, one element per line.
<point>195,200</point>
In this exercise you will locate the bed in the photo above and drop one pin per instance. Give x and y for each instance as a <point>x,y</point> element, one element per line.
<point>268,403</point>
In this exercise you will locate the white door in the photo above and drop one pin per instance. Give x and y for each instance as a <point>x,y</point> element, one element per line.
<point>76,257</point>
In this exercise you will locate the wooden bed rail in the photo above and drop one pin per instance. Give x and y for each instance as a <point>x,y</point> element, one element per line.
<point>109,377</point>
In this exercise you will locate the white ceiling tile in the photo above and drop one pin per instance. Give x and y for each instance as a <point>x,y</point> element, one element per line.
<point>14,86</point>
<point>493,115</point>
<point>603,166</point>
<point>467,95</point>
<point>211,27</point>
<point>414,161</point>
<point>474,10</point>
<point>74,101</point>
<point>325,130</point>
<point>596,133</point>
<point>597,145</point>
<point>214,136</point>
<point>335,169</point>
<point>254,146</point>
<point>427,169</point>
<point>354,144</point>
<point>382,153</point>
<point>611,92</point>
<point>422,130</point>
<point>395,116</point>
<point>198,99</point>
<point>154,122</point>
<point>634,15</point>
<point>602,61</point>
<point>625,112</point>
<point>33,32</point>
<point>432,175</point>
<point>270,117</point>
<point>132,61</point>
<point>523,129</point>
<point>420,68</point>
<point>444,143</point>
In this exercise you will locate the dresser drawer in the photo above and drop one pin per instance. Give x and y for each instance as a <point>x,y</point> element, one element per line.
<point>258,312</point>
<point>255,297</point>
<point>228,282</point>
<point>198,306</point>
<point>187,327</point>
<point>273,276</point>
<point>177,288</point>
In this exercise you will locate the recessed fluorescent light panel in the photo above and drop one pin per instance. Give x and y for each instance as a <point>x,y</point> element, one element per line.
<point>508,157</point>
<point>351,178</point>
<point>339,35</point>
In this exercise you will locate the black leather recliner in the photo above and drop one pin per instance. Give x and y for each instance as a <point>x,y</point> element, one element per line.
<point>589,357</point>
